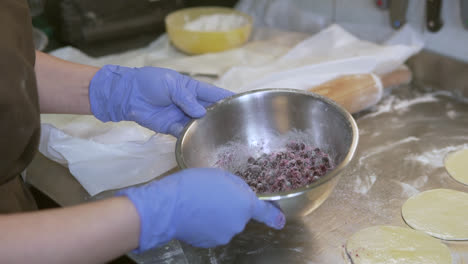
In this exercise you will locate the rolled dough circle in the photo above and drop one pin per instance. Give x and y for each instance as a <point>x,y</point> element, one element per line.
<point>395,245</point>
<point>441,213</point>
<point>456,164</point>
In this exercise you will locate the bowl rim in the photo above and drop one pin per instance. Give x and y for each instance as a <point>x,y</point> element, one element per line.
<point>296,192</point>
<point>231,10</point>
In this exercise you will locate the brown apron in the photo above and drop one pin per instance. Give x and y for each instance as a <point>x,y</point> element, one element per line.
<point>19,106</point>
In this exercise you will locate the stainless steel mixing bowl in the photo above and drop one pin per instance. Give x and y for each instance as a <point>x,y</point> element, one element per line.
<point>262,115</point>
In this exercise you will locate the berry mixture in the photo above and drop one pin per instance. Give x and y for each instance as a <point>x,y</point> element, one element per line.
<point>297,166</point>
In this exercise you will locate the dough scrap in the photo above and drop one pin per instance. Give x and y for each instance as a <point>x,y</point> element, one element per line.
<point>395,245</point>
<point>441,213</point>
<point>456,164</point>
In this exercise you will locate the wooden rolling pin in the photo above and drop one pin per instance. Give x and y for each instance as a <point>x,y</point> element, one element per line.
<point>359,91</point>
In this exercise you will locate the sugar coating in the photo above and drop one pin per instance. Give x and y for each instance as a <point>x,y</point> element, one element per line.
<point>293,167</point>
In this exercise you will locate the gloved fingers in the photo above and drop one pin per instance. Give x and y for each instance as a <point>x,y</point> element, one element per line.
<point>176,128</point>
<point>210,93</point>
<point>220,238</point>
<point>206,244</point>
<point>205,103</point>
<point>268,214</point>
<point>263,211</point>
<point>162,121</point>
<point>239,181</point>
<point>188,103</point>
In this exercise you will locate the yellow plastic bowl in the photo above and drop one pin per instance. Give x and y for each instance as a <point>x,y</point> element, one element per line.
<point>199,42</point>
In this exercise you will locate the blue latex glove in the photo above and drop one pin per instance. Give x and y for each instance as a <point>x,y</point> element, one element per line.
<point>202,207</point>
<point>160,99</point>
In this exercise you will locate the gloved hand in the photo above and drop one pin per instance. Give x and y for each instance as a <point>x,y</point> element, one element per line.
<point>202,207</point>
<point>160,99</point>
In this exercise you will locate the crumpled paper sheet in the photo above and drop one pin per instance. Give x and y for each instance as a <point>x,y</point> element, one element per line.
<point>105,156</point>
<point>115,155</point>
<point>266,46</point>
<point>322,57</point>
<point>158,49</point>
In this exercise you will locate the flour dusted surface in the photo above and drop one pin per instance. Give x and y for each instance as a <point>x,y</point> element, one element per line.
<point>216,22</point>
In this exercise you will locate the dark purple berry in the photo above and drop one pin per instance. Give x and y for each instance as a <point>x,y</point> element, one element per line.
<point>282,171</point>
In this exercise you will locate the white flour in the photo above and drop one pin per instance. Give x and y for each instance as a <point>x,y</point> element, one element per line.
<point>380,149</point>
<point>392,103</point>
<point>452,114</point>
<point>216,22</point>
<point>363,185</point>
<point>406,188</point>
<point>435,157</point>
<point>235,153</point>
<point>420,181</point>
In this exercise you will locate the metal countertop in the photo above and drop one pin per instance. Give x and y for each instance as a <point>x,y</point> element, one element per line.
<point>403,141</point>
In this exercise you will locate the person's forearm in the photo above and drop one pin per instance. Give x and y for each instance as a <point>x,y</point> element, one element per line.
<point>91,233</point>
<point>63,85</point>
